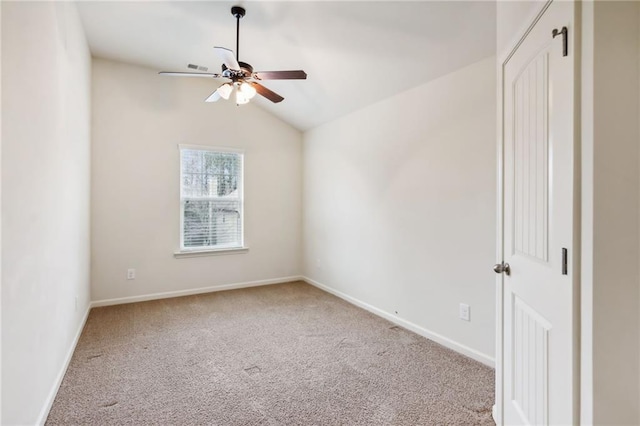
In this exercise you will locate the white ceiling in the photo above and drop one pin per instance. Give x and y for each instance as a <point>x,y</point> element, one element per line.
<point>355,53</point>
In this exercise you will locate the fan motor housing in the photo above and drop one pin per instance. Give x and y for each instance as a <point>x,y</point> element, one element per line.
<point>245,70</point>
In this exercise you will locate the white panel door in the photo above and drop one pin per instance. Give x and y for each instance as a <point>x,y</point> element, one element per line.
<point>538,361</point>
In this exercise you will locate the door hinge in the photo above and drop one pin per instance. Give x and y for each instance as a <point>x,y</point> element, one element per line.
<point>565,39</point>
<point>565,261</point>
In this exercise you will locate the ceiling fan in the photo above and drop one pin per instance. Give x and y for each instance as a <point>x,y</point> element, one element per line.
<point>244,81</point>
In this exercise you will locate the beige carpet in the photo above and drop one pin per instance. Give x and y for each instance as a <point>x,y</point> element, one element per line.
<point>285,354</point>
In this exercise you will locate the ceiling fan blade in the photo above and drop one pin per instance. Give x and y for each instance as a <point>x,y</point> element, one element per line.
<point>189,74</point>
<point>269,94</point>
<point>280,75</point>
<point>215,96</point>
<point>228,58</point>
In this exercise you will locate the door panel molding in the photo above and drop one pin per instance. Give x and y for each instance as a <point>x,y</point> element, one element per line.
<point>530,207</point>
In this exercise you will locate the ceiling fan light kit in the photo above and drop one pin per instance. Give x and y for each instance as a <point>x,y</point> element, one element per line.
<point>244,82</point>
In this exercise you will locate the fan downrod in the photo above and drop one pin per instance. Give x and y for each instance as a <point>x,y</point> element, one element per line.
<point>238,12</point>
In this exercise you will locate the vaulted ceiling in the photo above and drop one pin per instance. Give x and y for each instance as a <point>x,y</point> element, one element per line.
<point>355,53</point>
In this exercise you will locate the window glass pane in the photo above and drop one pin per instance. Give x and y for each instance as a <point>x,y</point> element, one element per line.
<point>210,174</point>
<point>212,223</point>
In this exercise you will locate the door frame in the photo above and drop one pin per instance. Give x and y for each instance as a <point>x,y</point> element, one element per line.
<point>502,60</point>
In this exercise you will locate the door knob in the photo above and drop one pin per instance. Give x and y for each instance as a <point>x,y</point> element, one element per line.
<point>499,268</point>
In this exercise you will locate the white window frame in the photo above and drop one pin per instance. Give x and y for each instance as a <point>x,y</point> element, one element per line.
<point>212,250</point>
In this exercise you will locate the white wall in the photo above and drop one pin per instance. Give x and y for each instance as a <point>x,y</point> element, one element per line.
<point>615,232</point>
<point>399,206</point>
<point>45,200</point>
<point>611,194</point>
<point>138,119</point>
<point>512,18</point>
<point>0,212</point>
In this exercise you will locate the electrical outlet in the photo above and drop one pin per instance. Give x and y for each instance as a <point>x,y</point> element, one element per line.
<point>131,274</point>
<point>318,264</point>
<point>465,312</point>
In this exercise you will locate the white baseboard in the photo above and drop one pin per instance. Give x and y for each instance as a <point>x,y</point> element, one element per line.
<point>42,418</point>
<point>445,341</point>
<point>178,293</point>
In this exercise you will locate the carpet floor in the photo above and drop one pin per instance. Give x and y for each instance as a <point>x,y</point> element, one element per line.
<point>286,354</point>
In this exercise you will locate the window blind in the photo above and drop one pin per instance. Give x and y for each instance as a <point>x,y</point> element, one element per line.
<point>211,199</point>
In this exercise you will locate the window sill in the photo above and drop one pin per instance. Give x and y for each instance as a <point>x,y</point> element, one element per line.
<point>210,252</point>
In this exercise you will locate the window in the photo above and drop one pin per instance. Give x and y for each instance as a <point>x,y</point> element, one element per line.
<point>210,198</point>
